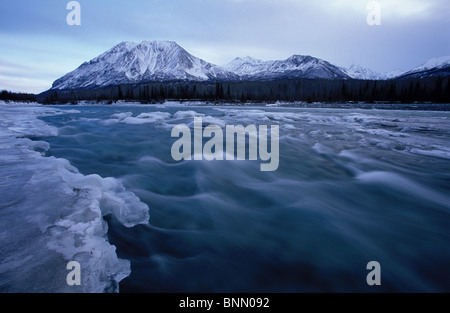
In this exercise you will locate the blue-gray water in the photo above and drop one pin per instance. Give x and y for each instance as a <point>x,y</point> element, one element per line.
<point>353,186</point>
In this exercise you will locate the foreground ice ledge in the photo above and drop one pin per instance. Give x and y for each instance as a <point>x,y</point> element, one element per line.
<point>50,214</point>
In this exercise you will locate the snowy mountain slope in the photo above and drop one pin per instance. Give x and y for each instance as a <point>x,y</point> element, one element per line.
<point>435,63</point>
<point>359,72</point>
<point>297,66</point>
<point>129,63</point>
<point>393,74</point>
<point>432,68</point>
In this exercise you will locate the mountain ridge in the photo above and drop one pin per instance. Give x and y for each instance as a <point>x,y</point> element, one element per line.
<point>301,66</point>
<point>165,61</point>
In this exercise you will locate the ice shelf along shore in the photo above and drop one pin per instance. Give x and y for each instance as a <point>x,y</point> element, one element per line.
<point>51,215</point>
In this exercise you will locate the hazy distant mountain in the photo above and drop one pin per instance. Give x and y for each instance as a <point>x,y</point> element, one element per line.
<point>130,62</point>
<point>432,68</point>
<point>247,66</point>
<point>359,72</point>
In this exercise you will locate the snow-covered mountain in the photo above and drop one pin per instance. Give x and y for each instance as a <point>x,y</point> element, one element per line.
<point>129,63</point>
<point>432,68</point>
<point>163,61</point>
<point>247,66</point>
<point>359,72</point>
<point>297,66</point>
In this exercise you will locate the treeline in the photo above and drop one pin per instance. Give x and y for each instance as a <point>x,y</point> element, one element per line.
<point>17,97</point>
<point>436,90</point>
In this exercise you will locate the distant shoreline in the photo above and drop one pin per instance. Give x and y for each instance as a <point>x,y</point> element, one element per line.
<point>445,107</point>
<point>428,106</point>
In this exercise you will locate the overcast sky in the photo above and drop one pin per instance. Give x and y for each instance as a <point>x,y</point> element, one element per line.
<point>37,46</point>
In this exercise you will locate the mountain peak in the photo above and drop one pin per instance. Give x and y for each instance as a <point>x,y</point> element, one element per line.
<point>359,72</point>
<point>250,59</point>
<point>124,44</point>
<point>247,59</point>
<point>145,42</point>
<point>298,59</point>
<point>296,66</point>
<point>159,43</point>
<point>132,63</point>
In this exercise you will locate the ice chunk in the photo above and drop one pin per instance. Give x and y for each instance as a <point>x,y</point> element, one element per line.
<point>186,114</point>
<point>142,118</point>
<point>121,116</point>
